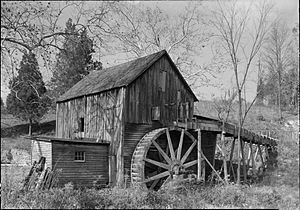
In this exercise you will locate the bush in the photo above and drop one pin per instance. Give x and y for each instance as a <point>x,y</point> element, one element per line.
<point>6,157</point>
<point>260,117</point>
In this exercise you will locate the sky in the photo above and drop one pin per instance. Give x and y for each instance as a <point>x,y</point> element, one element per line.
<point>287,9</point>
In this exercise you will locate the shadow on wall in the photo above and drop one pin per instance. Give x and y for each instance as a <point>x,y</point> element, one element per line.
<point>38,128</point>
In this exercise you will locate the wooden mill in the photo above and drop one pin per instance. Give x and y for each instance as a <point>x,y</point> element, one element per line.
<point>133,122</point>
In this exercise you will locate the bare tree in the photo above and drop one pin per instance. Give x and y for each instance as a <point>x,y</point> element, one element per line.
<point>277,57</point>
<point>138,30</point>
<point>223,107</point>
<point>37,27</point>
<point>231,23</point>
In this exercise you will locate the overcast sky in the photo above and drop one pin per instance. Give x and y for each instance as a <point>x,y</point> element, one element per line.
<point>287,9</point>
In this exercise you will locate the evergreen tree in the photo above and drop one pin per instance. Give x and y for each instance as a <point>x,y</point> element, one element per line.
<point>74,61</point>
<point>27,100</point>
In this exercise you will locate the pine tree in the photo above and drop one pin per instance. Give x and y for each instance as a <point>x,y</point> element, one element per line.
<point>74,61</point>
<point>27,100</point>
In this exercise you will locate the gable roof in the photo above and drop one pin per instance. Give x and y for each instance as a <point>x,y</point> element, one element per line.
<point>117,76</point>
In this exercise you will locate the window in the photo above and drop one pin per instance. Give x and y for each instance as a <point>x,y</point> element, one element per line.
<point>81,124</point>
<point>155,113</point>
<point>79,156</point>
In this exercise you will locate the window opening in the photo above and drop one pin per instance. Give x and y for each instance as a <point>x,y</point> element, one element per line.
<point>79,156</point>
<point>81,124</point>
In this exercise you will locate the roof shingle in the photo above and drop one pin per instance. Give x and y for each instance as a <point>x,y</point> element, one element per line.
<point>113,77</point>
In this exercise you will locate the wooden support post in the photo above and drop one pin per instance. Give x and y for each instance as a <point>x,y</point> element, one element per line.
<point>231,156</point>
<point>266,152</point>
<point>249,154</point>
<point>260,154</point>
<point>223,154</point>
<point>252,157</point>
<point>255,156</point>
<point>214,170</point>
<point>199,175</point>
<point>244,163</point>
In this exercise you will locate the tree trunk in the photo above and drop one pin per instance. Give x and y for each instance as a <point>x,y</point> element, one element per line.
<point>30,128</point>
<point>239,137</point>
<point>279,98</point>
<point>223,153</point>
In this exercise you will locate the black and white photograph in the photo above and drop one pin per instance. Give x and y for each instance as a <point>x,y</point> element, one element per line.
<point>150,104</point>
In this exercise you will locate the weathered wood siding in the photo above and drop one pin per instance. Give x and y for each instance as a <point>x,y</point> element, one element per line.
<point>41,148</point>
<point>155,88</point>
<point>102,115</point>
<point>133,134</point>
<point>103,119</point>
<point>95,167</point>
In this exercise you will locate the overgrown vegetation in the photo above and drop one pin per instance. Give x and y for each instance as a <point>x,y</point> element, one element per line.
<point>279,188</point>
<point>282,195</point>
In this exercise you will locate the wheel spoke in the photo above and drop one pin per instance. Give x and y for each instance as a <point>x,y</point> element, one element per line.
<point>170,145</point>
<point>154,184</point>
<point>153,173</point>
<point>165,156</point>
<point>189,164</point>
<point>188,152</point>
<point>151,166</point>
<point>158,176</point>
<point>180,145</point>
<point>162,165</point>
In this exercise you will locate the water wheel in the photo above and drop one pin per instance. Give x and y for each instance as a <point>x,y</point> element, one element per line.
<point>163,154</point>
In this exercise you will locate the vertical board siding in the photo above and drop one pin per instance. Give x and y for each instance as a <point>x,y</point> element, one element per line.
<point>42,148</point>
<point>102,115</point>
<point>103,119</point>
<point>85,174</point>
<point>145,92</point>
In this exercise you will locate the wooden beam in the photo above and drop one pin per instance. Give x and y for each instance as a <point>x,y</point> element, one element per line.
<point>170,145</point>
<point>199,175</point>
<point>260,154</point>
<point>255,156</point>
<point>230,159</point>
<point>185,156</point>
<point>252,156</point>
<point>249,154</point>
<point>180,145</point>
<point>244,163</point>
<point>212,167</point>
<point>224,157</point>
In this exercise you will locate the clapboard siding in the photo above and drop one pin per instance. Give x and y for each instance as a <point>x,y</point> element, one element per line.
<point>41,148</point>
<point>81,173</point>
<point>146,92</point>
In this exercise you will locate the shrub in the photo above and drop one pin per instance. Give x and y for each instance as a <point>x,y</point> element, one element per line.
<point>260,117</point>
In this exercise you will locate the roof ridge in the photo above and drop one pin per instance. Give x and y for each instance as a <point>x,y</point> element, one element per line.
<point>135,59</point>
<point>105,79</point>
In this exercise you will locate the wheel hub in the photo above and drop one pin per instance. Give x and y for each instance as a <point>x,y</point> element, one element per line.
<point>177,167</point>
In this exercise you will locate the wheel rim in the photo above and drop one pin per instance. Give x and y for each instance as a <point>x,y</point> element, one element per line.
<point>167,154</point>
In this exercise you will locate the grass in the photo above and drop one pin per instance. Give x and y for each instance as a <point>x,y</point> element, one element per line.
<point>279,188</point>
